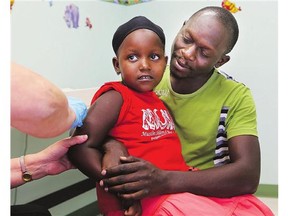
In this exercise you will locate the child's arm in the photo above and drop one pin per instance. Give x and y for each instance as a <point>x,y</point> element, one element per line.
<point>101,117</point>
<point>113,150</point>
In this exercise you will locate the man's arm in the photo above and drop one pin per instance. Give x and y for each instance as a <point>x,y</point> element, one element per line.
<point>136,178</point>
<point>239,177</point>
<point>38,107</point>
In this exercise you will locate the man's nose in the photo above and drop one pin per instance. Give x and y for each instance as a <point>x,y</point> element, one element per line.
<point>189,52</point>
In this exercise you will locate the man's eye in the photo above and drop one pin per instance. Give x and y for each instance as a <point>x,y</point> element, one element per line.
<point>203,53</point>
<point>187,40</point>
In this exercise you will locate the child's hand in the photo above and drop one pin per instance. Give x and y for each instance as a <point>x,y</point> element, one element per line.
<point>134,210</point>
<point>113,150</point>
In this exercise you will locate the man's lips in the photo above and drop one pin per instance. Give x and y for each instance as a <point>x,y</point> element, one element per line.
<point>181,63</point>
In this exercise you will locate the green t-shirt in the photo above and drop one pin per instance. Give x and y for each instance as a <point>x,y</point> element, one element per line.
<point>222,108</point>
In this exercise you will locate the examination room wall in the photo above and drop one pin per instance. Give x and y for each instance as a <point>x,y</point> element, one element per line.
<point>80,58</point>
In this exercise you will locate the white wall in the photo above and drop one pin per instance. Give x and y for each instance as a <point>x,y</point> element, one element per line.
<point>81,58</point>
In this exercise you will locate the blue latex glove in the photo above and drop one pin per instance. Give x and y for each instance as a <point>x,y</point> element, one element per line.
<point>80,110</point>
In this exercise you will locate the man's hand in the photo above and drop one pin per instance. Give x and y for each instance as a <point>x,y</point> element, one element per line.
<point>134,179</point>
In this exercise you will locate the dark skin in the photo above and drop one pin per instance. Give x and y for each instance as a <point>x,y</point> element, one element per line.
<point>141,62</point>
<point>200,45</point>
<point>109,102</point>
<point>139,176</point>
<point>92,150</point>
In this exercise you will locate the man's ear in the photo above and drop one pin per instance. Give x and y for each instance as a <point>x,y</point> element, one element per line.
<point>224,59</point>
<point>115,63</point>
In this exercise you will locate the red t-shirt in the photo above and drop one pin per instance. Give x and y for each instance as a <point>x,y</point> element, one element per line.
<point>146,128</point>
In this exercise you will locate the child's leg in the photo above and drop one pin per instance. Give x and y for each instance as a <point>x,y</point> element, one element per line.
<point>108,202</point>
<point>183,204</point>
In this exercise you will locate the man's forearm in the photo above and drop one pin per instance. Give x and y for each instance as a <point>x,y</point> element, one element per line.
<point>222,181</point>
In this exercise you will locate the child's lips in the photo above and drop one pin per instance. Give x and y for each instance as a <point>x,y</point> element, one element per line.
<point>145,78</point>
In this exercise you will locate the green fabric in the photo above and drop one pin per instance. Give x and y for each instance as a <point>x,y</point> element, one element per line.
<point>267,190</point>
<point>197,115</point>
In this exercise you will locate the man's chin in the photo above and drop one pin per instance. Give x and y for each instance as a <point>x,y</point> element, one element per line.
<point>178,74</point>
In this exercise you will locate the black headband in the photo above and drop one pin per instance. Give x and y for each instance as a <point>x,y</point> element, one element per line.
<point>138,22</point>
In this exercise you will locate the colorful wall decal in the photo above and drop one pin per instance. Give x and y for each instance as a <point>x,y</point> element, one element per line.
<point>230,6</point>
<point>88,23</point>
<point>127,2</point>
<point>11,4</point>
<point>71,16</point>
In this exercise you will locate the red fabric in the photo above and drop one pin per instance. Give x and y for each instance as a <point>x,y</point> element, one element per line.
<point>146,128</point>
<point>187,204</point>
<point>165,152</point>
<point>108,203</point>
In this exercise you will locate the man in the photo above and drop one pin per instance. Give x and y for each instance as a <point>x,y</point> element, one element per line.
<point>215,118</point>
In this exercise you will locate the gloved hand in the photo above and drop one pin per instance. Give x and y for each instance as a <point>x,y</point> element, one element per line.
<point>80,110</point>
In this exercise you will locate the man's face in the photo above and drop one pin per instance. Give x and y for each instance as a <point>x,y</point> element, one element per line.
<point>198,46</point>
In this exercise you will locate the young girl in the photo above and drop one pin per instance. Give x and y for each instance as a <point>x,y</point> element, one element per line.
<point>130,112</point>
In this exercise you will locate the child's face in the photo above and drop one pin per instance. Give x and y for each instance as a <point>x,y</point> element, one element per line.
<point>141,60</point>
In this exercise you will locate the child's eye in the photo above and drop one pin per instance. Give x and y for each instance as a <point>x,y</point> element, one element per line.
<point>132,57</point>
<point>154,56</point>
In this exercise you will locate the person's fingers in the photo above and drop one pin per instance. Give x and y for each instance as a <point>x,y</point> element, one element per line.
<point>129,159</point>
<point>74,140</point>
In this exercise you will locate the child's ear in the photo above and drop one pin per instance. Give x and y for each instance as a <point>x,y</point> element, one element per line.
<point>166,59</point>
<point>224,59</point>
<point>115,63</point>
